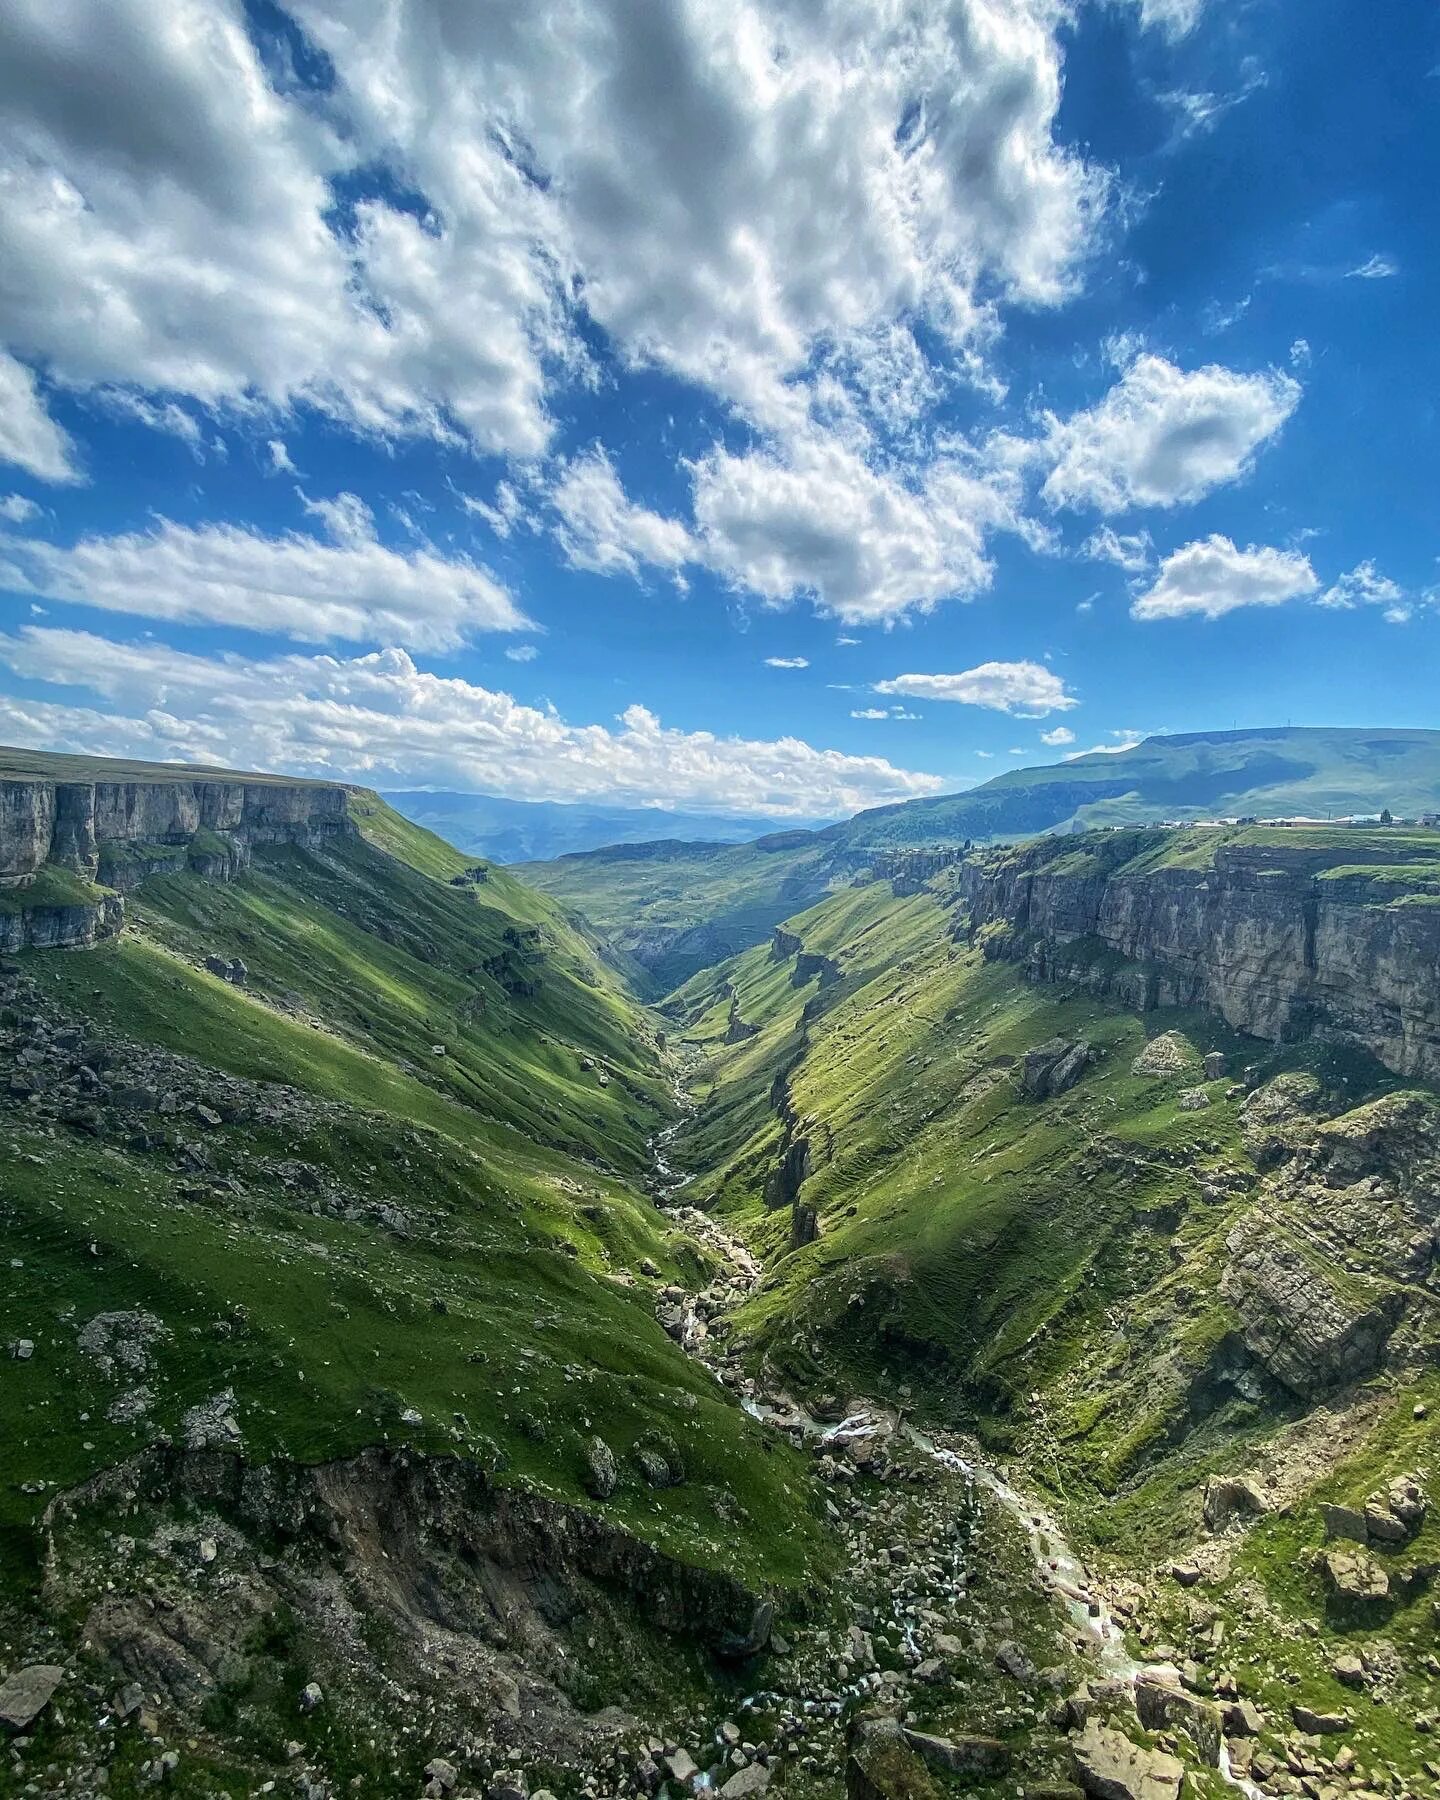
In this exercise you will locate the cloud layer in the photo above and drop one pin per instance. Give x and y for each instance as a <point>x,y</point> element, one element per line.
<point>380,717</point>
<point>351,589</point>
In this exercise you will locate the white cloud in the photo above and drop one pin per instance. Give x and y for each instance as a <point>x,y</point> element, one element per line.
<point>787,662</point>
<point>1132,553</point>
<point>280,463</point>
<point>1174,17</point>
<point>1027,689</point>
<point>846,640</point>
<point>503,516</point>
<point>870,712</point>
<point>815,518</point>
<point>1062,734</point>
<point>522,653</point>
<point>1164,437</point>
<point>1119,742</point>
<point>1364,585</point>
<point>380,717</point>
<point>1211,577</point>
<point>18,509</point>
<point>354,589</point>
<point>600,529</point>
<point>724,189</point>
<point>29,437</point>
<point>1374,268</point>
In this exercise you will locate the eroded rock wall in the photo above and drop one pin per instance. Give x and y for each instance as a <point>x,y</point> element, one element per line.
<point>70,823</point>
<point>1275,948</point>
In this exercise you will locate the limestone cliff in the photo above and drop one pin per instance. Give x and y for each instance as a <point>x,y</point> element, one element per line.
<point>1281,940</point>
<point>74,823</point>
<point>58,837</point>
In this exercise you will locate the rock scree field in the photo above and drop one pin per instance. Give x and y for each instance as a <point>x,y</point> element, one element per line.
<point>972,1331</point>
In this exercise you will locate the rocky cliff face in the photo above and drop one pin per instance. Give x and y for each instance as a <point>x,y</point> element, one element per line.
<point>72,823</point>
<point>1275,945</point>
<point>117,832</point>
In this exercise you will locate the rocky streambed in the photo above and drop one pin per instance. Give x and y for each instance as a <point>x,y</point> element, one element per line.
<point>1099,1679</point>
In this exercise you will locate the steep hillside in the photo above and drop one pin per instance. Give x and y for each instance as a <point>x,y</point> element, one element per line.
<point>510,831</point>
<point>707,903</point>
<point>1180,1277</point>
<point>324,1229</point>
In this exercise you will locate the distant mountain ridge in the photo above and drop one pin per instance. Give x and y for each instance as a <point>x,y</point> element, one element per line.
<point>718,900</point>
<point>510,831</point>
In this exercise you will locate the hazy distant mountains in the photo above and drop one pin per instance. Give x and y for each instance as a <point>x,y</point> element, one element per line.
<point>535,830</point>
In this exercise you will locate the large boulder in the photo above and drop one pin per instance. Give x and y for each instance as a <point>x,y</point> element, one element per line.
<point>1109,1766</point>
<point>1352,1575</point>
<point>1165,1706</point>
<point>1053,1067</point>
<point>1294,1318</point>
<point>983,1758</point>
<point>1232,1496</point>
<point>25,1693</point>
<point>882,1765</point>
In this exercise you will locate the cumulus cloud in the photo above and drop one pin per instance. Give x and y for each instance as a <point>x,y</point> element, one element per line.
<point>380,717</point>
<point>29,437</point>
<point>787,662</point>
<point>280,463</point>
<point>1027,689</point>
<point>18,509</point>
<point>353,589</point>
<point>1062,734</point>
<point>870,712</point>
<point>1163,436</point>
<point>1364,585</point>
<point>818,519</point>
<point>1211,577</point>
<point>507,511</point>
<point>417,244</point>
<point>602,530</point>
<point>522,653</point>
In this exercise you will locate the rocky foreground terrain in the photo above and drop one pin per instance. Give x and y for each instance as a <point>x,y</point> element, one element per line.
<point>981,1339</point>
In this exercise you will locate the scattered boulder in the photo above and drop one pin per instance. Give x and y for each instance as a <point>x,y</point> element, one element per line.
<point>1109,1767</point>
<point>1194,1099</point>
<point>1051,1068</point>
<point>1215,1061</point>
<point>754,1778</point>
<point>982,1757</point>
<point>1344,1522</point>
<point>882,1765</point>
<point>1352,1575</point>
<point>1165,1706</point>
<point>1294,1318</point>
<point>25,1693</point>
<point>1349,1670</point>
<point>1168,1054</point>
<point>1232,1496</point>
<point>1319,1724</point>
<point>601,1473</point>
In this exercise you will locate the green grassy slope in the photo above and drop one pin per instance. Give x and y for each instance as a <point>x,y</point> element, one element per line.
<point>372,1229</point>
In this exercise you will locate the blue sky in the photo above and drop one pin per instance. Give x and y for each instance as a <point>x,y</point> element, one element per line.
<point>763,408</point>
